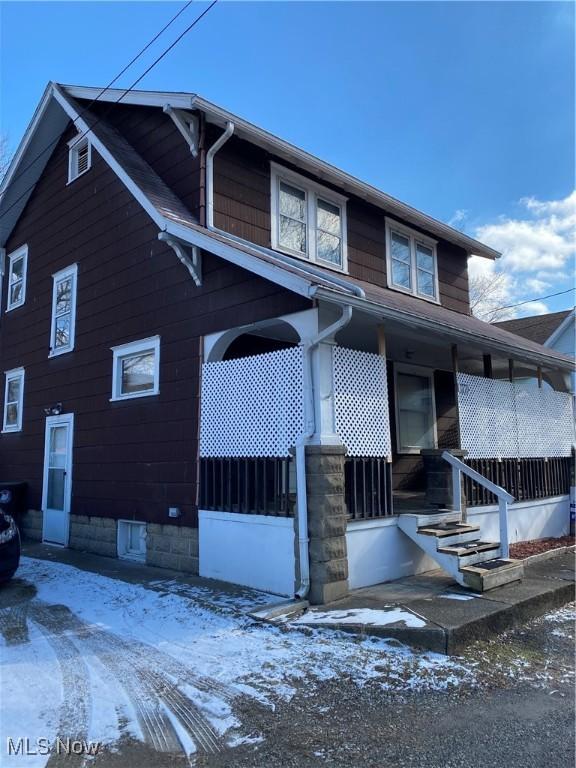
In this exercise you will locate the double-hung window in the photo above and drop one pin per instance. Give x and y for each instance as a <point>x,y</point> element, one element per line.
<point>79,157</point>
<point>411,261</point>
<point>308,220</point>
<point>13,400</point>
<point>63,311</point>
<point>17,269</point>
<point>136,369</point>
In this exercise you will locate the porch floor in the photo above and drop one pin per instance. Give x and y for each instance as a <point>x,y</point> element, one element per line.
<point>432,611</point>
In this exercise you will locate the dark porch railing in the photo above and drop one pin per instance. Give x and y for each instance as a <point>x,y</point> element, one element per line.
<point>255,486</point>
<point>368,487</point>
<point>525,479</point>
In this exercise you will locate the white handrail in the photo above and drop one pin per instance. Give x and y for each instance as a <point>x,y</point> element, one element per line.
<point>504,498</point>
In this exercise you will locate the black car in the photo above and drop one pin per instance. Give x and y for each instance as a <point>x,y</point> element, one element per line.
<point>9,546</point>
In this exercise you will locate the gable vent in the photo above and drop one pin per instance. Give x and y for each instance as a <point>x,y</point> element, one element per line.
<point>80,158</point>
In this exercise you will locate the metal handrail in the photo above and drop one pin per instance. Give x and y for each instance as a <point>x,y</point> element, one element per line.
<point>504,498</point>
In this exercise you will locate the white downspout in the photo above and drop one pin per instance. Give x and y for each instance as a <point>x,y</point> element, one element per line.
<point>210,172</point>
<point>301,497</point>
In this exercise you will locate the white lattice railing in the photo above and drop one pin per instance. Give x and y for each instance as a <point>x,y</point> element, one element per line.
<point>252,406</point>
<point>361,402</point>
<point>500,419</point>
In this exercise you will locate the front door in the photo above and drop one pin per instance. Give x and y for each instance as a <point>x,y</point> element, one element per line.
<point>57,478</point>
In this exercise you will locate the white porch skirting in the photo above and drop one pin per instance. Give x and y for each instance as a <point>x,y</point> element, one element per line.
<point>378,551</point>
<point>527,520</point>
<point>252,550</point>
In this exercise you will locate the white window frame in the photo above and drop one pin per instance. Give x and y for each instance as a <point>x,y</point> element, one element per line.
<point>312,191</point>
<point>414,238</point>
<point>64,274</point>
<point>19,253</point>
<point>427,373</point>
<point>130,349</point>
<point>16,374</point>
<point>123,538</point>
<point>73,147</point>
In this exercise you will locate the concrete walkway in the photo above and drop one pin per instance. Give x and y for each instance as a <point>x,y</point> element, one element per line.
<point>431,611</point>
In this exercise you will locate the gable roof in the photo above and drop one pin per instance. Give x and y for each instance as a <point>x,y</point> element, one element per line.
<point>308,280</point>
<point>538,328</point>
<point>218,116</point>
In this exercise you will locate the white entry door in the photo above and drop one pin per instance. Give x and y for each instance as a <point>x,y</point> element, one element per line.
<point>57,489</point>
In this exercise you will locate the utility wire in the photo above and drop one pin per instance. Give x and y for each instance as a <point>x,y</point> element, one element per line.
<point>540,298</point>
<point>124,93</point>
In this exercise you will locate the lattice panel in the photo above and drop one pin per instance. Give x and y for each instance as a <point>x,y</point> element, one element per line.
<point>252,406</point>
<point>500,419</point>
<point>361,402</point>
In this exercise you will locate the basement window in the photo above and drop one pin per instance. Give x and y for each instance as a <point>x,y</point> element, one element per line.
<point>79,157</point>
<point>131,540</point>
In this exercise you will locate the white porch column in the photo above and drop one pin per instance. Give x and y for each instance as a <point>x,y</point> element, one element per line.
<point>323,395</point>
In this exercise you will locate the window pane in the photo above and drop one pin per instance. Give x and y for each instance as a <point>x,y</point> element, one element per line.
<point>62,331</point>
<point>424,257</point>
<point>426,283</point>
<point>137,373</point>
<point>292,202</point>
<point>56,484</point>
<point>415,411</point>
<point>11,414</point>
<point>328,248</point>
<point>329,217</point>
<point>17,270</point>
<point>16,293</point>
<point>292,234</point>
<point>63,296</point>
<point>58,447</point>
<point>13,394</point>
<point>400,246</point>
<point>401,274</point>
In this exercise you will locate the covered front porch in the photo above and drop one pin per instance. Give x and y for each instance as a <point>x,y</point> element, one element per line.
<point>343,415</point>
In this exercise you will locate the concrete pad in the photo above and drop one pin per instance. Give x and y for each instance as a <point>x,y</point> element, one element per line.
<point>561,567</point>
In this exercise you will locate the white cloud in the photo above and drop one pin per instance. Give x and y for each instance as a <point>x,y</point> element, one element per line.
<point>538,251</point>
<point>459,218</point>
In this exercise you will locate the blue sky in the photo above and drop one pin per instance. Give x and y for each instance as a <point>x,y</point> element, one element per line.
<point>462,109</point>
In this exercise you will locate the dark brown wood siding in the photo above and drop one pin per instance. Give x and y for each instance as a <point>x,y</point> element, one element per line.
<point>408,469</point>
<point>135,458</point>
<point>242,207</point>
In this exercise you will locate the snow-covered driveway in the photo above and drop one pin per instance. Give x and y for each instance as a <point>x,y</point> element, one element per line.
<point>98,660</point>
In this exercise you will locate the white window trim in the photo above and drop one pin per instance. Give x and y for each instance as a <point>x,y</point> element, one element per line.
<point>72,150</point>
<point>68,272</point>
<point>20,253</point>
<point>127,350</point>
<point>13,375</point>
<point>414,237</point>
<point>122,538</point>
<point>428,373</point>
<point>313,191</point>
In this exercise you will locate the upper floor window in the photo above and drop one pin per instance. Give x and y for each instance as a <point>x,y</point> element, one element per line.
<point>411,261</point>
<point>17,268</point>
<point>13,400</point>
<point>307,220</point>
<point>136,369</point>
<point>63,327</point>
<point>79,157</point>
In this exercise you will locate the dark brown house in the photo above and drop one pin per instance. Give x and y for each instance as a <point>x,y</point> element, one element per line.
<point>223,354</point>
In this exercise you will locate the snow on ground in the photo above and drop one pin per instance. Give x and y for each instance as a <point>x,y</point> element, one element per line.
<point>99,658</point>
<point>371,617</point>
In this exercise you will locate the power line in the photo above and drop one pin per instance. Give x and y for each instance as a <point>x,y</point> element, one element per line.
<point>540,298</point>
<point>124,93</point>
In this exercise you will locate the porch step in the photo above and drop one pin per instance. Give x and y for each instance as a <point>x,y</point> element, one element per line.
<point>490,574</point>
<point>426,519</point>
<point>472,552</point>
<point>447,534</point>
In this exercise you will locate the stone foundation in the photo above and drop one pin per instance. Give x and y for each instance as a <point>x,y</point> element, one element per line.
<point>93,534</point>
<point>326,523</point>
<point>172,546</point>
<point>31,525</point>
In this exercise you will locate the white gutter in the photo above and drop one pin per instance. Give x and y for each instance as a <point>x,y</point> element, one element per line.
<point>301,496</point>
<point>210,172</point>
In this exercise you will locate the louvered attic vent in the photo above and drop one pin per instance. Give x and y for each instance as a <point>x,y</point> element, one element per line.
<point>80,158</point>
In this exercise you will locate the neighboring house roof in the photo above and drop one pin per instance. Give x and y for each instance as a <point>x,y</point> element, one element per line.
<point>38,136</point>
<point>539,328</point>
<point>308,280</point>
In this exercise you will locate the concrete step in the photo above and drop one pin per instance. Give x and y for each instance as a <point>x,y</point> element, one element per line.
<point>426,519</point>
<point>489,574</point>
